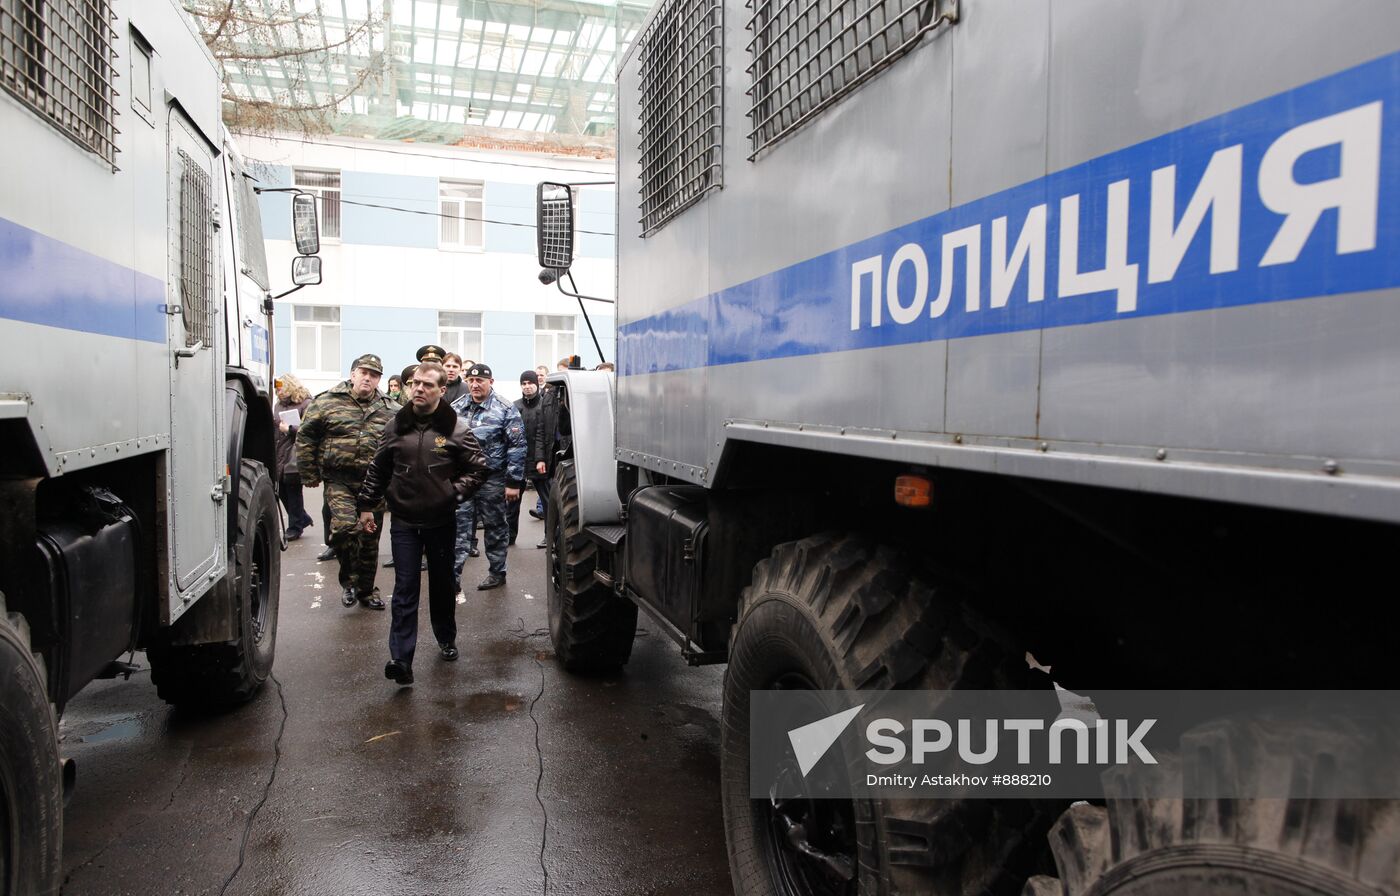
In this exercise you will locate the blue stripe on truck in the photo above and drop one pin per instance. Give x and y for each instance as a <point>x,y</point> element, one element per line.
<point>48,282</point>
<point>1295,196</point>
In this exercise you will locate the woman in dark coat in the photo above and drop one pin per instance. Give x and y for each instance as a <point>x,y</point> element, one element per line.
<point>291,396</point>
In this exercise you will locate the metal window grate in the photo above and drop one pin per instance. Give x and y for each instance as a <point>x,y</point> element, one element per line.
<point>56,57</point>
<point>681,66</point>
<point>325,186</point>
<point>196,253</point>
<point>809,53</point>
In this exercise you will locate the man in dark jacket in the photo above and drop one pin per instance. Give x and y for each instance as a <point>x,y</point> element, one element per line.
<point>530,408</point>
<point>428,462</point>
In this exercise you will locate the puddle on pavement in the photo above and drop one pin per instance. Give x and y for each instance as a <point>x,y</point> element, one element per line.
<point>488,703</point>
<point>122,730</point>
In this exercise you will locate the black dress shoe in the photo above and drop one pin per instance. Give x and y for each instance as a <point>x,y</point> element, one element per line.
<point>473,552</point>
<point>389,564</point>
<point>449,652</point>
<point>292,534</point>
<point>491,581</point>
<point>535,513</point>
<point>348,599</point>
<point>397,671</point>
<point>371,601</point>
<point>327,554</point>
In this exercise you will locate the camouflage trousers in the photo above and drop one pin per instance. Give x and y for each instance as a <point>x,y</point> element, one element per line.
<point>356,550</point>
<point>490,503</point>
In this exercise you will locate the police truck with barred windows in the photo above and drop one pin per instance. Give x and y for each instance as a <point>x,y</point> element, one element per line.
<point>954,334</point>
<point>136,438</point>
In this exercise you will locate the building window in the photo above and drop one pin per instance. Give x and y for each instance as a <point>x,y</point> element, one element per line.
<point>462,209</point>
<point>554,338</point>
<point>56,57</point>
<point>460,332</point>
<point>316,339</point>
<point>325,185</point>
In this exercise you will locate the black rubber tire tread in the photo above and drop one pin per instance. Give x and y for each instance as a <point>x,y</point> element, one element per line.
<point>592,629</point>
<point>1268,847</point>
<point>219,676</point>
<point>881,624</point>
<point>30,774</point>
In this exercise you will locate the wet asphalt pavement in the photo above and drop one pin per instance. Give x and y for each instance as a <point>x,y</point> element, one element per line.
<point>336,781</point>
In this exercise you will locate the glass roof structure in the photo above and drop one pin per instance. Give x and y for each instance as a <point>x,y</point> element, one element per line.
<point>429,70</point>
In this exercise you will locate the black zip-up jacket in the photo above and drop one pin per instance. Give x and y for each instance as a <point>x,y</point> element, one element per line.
<point>425,468</point>
<point>531,410</point>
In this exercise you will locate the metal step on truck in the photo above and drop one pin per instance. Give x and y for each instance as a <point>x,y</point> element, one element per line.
<point>959,334</point>
<point>137,509</point>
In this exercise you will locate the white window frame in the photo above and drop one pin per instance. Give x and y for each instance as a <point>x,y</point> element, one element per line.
<point>554,333</point>
<point>323,199</point>
<point>447,332</point>
<point>456,206</point>
<point>327,367</point>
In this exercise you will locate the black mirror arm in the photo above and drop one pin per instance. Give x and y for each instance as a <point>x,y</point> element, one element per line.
<point>272,298</point>
<point>560,283</point>
<point>574,295</point>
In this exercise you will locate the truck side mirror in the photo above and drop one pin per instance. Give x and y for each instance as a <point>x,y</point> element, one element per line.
<point>304,224</point>
<point>306,270</point>
<point>554,226</point>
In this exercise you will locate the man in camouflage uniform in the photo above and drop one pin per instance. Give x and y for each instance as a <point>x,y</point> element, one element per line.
<point>335,444</point>
<point>498,428</point>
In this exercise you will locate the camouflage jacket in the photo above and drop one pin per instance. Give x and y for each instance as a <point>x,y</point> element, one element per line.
<point>497,426</point>
<point>339,435</point>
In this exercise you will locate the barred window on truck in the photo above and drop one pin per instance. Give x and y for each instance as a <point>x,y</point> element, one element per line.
<point>806,56</point>
<point>681,65</point>
<point>56,58</point>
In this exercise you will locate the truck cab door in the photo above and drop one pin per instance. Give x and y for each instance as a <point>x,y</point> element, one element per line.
<point>197,483</point>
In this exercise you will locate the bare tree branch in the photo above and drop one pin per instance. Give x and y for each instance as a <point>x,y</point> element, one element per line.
<point>318,74</point>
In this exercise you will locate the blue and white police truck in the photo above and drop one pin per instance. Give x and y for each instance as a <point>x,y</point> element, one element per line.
<point>137,508</point>
<point>958,333</point>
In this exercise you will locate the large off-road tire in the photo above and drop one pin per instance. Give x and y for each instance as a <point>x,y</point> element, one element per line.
<point>838,612</point>
<point>592,628</point>
<point>31,781</point>
<point>214,676</point>
<point>1231,847</point>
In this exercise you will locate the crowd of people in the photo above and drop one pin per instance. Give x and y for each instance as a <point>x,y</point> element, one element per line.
<point>443,454</point>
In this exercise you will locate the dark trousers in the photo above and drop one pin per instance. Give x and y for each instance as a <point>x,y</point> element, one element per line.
<point>325,519</point>
<point>513,507</point>
<point>409,543</point>
<point>297,517</point>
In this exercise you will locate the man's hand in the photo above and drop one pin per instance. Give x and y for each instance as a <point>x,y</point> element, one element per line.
<point>512,494</point>
<point>539,468</point>
<point>367,521</point>
<point>282,425</point>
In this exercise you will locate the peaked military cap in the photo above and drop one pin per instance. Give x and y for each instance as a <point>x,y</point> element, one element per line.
<point>482,370</point>
<point>431,353</point>
<point>369,362</point>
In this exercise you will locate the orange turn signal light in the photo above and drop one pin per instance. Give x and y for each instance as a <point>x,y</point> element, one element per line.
<point>913,491</point>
